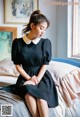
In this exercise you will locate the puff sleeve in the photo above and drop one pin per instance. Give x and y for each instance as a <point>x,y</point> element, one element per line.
<point>15,52</point>
<point>47,51</point>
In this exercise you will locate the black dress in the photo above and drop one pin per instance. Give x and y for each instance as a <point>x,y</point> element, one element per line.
<point>32,57</point>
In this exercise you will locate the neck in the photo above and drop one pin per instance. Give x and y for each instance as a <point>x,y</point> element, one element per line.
<point>30,36</point>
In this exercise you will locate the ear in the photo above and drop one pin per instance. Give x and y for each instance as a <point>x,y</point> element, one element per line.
<point>32,25</point>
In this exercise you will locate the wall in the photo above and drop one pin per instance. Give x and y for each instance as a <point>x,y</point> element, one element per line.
<point>1,12</point>
<point>57,32</point>
<point>61,26</point>
<point>50,12</point>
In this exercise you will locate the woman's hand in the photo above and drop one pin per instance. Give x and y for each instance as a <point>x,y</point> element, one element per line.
<point>29,82</point>
<point>35,79</point>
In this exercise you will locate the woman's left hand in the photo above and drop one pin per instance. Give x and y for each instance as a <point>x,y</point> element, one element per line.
<point>30,82</point>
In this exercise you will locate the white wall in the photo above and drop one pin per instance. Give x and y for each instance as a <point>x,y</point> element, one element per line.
<point>61,26</point>
<point>1,12</point>
<point>50,11</point>
<point>57,32</point>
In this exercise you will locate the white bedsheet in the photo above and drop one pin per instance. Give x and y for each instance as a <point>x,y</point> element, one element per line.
<point>8,79</point>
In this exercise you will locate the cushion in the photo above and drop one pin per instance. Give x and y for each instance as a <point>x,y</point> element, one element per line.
<point>8,68</point>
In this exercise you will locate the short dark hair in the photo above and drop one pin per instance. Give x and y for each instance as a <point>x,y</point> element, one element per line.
<point>36,18</point>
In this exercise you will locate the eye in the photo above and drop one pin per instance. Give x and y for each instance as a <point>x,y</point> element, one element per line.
<point>41,28</point>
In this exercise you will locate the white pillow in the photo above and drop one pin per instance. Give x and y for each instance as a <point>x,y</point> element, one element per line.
<point>60,70</point>
<point>8,68</point>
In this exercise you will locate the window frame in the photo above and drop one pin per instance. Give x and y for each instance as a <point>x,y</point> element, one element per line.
<point>75,31</point>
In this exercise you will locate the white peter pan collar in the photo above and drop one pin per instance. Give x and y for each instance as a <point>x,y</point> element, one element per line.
<point>28,41</point>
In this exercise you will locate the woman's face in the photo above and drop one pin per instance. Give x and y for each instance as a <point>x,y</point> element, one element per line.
<point>39,29</point>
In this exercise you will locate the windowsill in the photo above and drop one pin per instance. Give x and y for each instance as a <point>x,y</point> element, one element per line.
<point>75,58</point>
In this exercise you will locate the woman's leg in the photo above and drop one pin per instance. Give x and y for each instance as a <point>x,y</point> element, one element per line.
<point>43,108</point>
<point>32,105</point>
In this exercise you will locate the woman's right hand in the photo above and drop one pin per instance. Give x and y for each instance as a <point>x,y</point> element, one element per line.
<point>35,79</point>
<point>29,82</point>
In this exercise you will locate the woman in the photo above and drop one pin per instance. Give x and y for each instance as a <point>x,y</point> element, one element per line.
<point>31,55</point>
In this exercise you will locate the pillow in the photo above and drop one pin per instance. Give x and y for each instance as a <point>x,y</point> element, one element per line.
<point>67,79</point>
<point>8,68</point>
<point>60,69</point>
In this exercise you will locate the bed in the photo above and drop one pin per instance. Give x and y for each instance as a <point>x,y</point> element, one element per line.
<point>66,74</point>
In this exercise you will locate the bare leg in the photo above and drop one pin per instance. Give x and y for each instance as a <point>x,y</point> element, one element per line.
<point>43,108</point>
<point>32,105</point>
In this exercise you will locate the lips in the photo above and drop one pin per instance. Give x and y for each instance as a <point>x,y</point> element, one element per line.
<point>40,35</point>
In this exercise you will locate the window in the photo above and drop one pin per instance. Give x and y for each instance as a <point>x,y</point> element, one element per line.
<point>76,30</point>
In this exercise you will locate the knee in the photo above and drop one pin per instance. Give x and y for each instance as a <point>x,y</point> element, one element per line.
<point>41,101</point>
<point>27,95</point>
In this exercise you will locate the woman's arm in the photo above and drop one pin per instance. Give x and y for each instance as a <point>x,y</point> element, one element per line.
<point>41,72</point>
<point>36,79</point>
<point>22,72</point>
